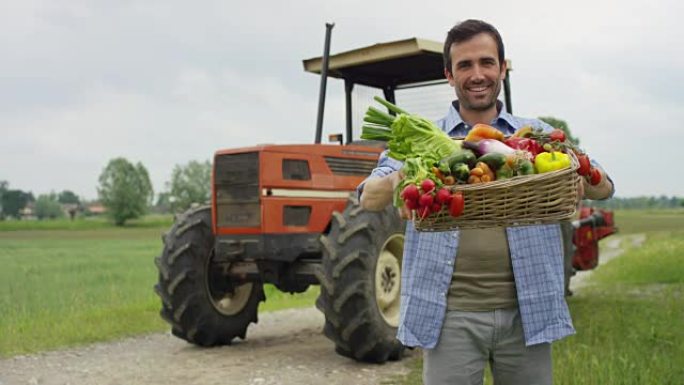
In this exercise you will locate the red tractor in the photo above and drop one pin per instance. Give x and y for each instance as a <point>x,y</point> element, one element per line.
<point>288,215</point>
<point>581,237</point>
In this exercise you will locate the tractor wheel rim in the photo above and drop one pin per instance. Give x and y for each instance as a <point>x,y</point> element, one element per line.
<point>233,303</point>
<point>228,303</point>
<point>388,279</point>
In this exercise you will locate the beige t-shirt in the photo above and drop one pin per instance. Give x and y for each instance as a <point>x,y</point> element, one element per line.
<point>483,275</point>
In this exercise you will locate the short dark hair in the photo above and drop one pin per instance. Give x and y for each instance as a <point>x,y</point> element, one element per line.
<point>464,31</point>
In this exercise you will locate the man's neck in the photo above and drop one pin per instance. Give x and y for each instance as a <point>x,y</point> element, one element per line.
<point>472,117</point>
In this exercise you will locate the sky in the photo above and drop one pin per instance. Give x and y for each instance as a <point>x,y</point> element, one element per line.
<point>167,82</point>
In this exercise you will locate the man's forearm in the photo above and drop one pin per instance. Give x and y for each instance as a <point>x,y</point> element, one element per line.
<point>377,192</point>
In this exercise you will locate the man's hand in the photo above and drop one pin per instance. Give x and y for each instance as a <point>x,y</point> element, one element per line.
<point>378,192</point>
<point>601,190</point>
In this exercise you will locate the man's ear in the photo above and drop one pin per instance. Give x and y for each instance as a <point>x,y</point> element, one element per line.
<point>504,67</point>
<point>449,77</point>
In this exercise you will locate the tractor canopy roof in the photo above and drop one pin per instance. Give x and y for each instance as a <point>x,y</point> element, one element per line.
<point>385,65</point>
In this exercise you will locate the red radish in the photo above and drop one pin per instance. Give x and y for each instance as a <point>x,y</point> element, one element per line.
<point>411,204</point>
<point>423,212</point>
<point>436,207</point>
<point>410,192</point>
<point>427,185</point>
<point>443,196</point>
<point>426,200</point>
<point>457,204</point>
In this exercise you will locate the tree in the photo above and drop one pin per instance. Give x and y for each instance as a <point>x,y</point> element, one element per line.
<point>190,183</point>
<point>125,190</point>
<point>563,125</point>
<point>48,207</point>
<point>13,201</point>
<point>4,185</point>
<point>68,196</point>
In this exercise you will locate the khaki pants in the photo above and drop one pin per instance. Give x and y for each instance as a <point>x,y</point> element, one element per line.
<point>471,339</point>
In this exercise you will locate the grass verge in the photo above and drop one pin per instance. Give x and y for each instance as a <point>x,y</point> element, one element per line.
<point>68,287</point>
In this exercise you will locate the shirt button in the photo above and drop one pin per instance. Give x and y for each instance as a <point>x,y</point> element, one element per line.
<point>449,262</point>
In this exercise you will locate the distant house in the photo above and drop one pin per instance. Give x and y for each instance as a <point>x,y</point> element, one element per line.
<point>70,209</point>
<point>28,212</point>
<point>96,209</point>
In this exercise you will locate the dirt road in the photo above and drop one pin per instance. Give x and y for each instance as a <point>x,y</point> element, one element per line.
<point>285,347</point>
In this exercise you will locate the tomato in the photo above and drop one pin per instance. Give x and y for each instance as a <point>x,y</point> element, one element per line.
<point>457,204</point>
<point>557,135</point>
<point>584,164</point>
<point>595,176</point>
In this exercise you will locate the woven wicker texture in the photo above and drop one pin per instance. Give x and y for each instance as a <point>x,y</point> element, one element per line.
<point>521,200</point>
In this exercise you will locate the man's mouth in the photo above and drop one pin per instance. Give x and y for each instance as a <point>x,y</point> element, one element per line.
<point>478,89</point>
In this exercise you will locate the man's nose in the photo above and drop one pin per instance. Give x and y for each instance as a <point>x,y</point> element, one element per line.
<point>478,74</point>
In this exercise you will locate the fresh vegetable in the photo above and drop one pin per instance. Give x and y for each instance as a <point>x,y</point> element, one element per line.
<point>551,161</point>
<point>481,173</point>
<point>524,167</point>
<point>460,171</point>
<point>483,131</point>
<point>457,204</point>
<point>410,192</point>
<point>594,176</point>
<point>557,135</point>
<point>526,144</point>
<point>462,156</point>
<point>584,164</point>
<point>427,186</point>
<point>426,200</point>
<point>407,136</point>
<point>504,172</point>
<point>522,132</point>
<point>486,146</point>
<point>449,180</point>
<point>443,196</point>
<point>493,159</point>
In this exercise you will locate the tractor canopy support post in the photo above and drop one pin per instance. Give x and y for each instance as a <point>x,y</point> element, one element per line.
<point>507,92</point>
<point>389,96</point>
<point>348,88</point>
<point>324,81</point>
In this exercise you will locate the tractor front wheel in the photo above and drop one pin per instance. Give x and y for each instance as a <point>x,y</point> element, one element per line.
<point>203,306</point>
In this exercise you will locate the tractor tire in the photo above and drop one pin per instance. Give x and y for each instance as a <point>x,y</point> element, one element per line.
<point>360,278</point>
<point>202,306</point>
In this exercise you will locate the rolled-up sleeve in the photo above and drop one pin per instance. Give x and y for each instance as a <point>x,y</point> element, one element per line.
<point>386,166</point>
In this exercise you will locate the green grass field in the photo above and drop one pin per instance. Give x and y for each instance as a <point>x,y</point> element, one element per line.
<point>630,321</point>
<point>75,284</point>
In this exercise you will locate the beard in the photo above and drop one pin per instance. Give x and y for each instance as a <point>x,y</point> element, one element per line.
<point>473,103</point>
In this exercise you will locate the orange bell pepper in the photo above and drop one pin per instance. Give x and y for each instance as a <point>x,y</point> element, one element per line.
<point>483,131</point>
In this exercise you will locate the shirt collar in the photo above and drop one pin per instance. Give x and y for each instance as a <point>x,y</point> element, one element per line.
<point>455,126</point>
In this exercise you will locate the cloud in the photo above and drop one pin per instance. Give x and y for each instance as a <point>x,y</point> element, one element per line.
<point>167,82</point>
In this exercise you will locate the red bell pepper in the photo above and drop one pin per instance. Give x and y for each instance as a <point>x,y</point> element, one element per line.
<point>527,144</point>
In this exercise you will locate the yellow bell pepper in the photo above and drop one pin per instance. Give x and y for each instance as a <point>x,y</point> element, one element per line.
<point>551,161</point>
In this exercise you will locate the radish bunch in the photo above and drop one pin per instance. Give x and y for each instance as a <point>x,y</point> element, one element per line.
<point>427,199</point>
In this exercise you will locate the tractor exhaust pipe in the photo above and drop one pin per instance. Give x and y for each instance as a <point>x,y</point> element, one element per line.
<point>324,82</point>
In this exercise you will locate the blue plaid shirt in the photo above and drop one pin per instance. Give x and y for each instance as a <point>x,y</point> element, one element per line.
<point>429,260</point>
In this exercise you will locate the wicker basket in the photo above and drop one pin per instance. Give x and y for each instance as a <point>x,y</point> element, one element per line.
<point>521,200</point>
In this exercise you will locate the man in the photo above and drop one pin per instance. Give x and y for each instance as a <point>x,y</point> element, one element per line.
<point>486,295</point>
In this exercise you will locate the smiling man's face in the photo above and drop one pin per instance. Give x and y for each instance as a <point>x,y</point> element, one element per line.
<point>476,72</point>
